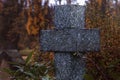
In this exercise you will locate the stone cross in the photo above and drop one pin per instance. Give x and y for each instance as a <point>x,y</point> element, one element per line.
<point>70,36</point>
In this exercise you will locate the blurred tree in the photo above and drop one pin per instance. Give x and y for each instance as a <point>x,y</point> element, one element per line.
<point>39,16</point>
<point>24,19</point>
<point>9,13</point>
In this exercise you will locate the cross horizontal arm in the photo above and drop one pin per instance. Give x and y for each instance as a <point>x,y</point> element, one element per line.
<point>70,40</point>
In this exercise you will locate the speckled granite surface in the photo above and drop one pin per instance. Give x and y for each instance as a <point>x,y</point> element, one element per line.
<point>70,16</point>
<point>66,37</point>
<point>69,40</point>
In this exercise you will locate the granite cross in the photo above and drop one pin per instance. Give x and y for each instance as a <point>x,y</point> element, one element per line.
<point>69,36</point>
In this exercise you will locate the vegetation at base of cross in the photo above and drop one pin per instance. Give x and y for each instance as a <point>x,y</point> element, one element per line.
<point>22,23</point>
<point>21,30</point>
<point>30,70</point>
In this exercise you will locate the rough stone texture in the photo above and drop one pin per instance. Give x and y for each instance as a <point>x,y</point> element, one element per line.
<point>66,38</point>
<point>69,40</point>
<point>68,67</point>
<point>58,40</point>
<point>88,40</point>
<point>70,16</point>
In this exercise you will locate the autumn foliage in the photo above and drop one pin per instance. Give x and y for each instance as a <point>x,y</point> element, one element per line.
<point>23,21</point>
<point>105,65</point>
<point>39,16</point>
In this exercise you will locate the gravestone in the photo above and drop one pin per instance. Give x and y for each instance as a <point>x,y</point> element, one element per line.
<point>68,37</point>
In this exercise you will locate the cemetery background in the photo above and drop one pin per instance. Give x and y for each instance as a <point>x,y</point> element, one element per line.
<point>100,13</point>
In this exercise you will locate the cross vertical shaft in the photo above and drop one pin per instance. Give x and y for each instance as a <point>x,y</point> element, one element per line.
<point>67,66</point>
